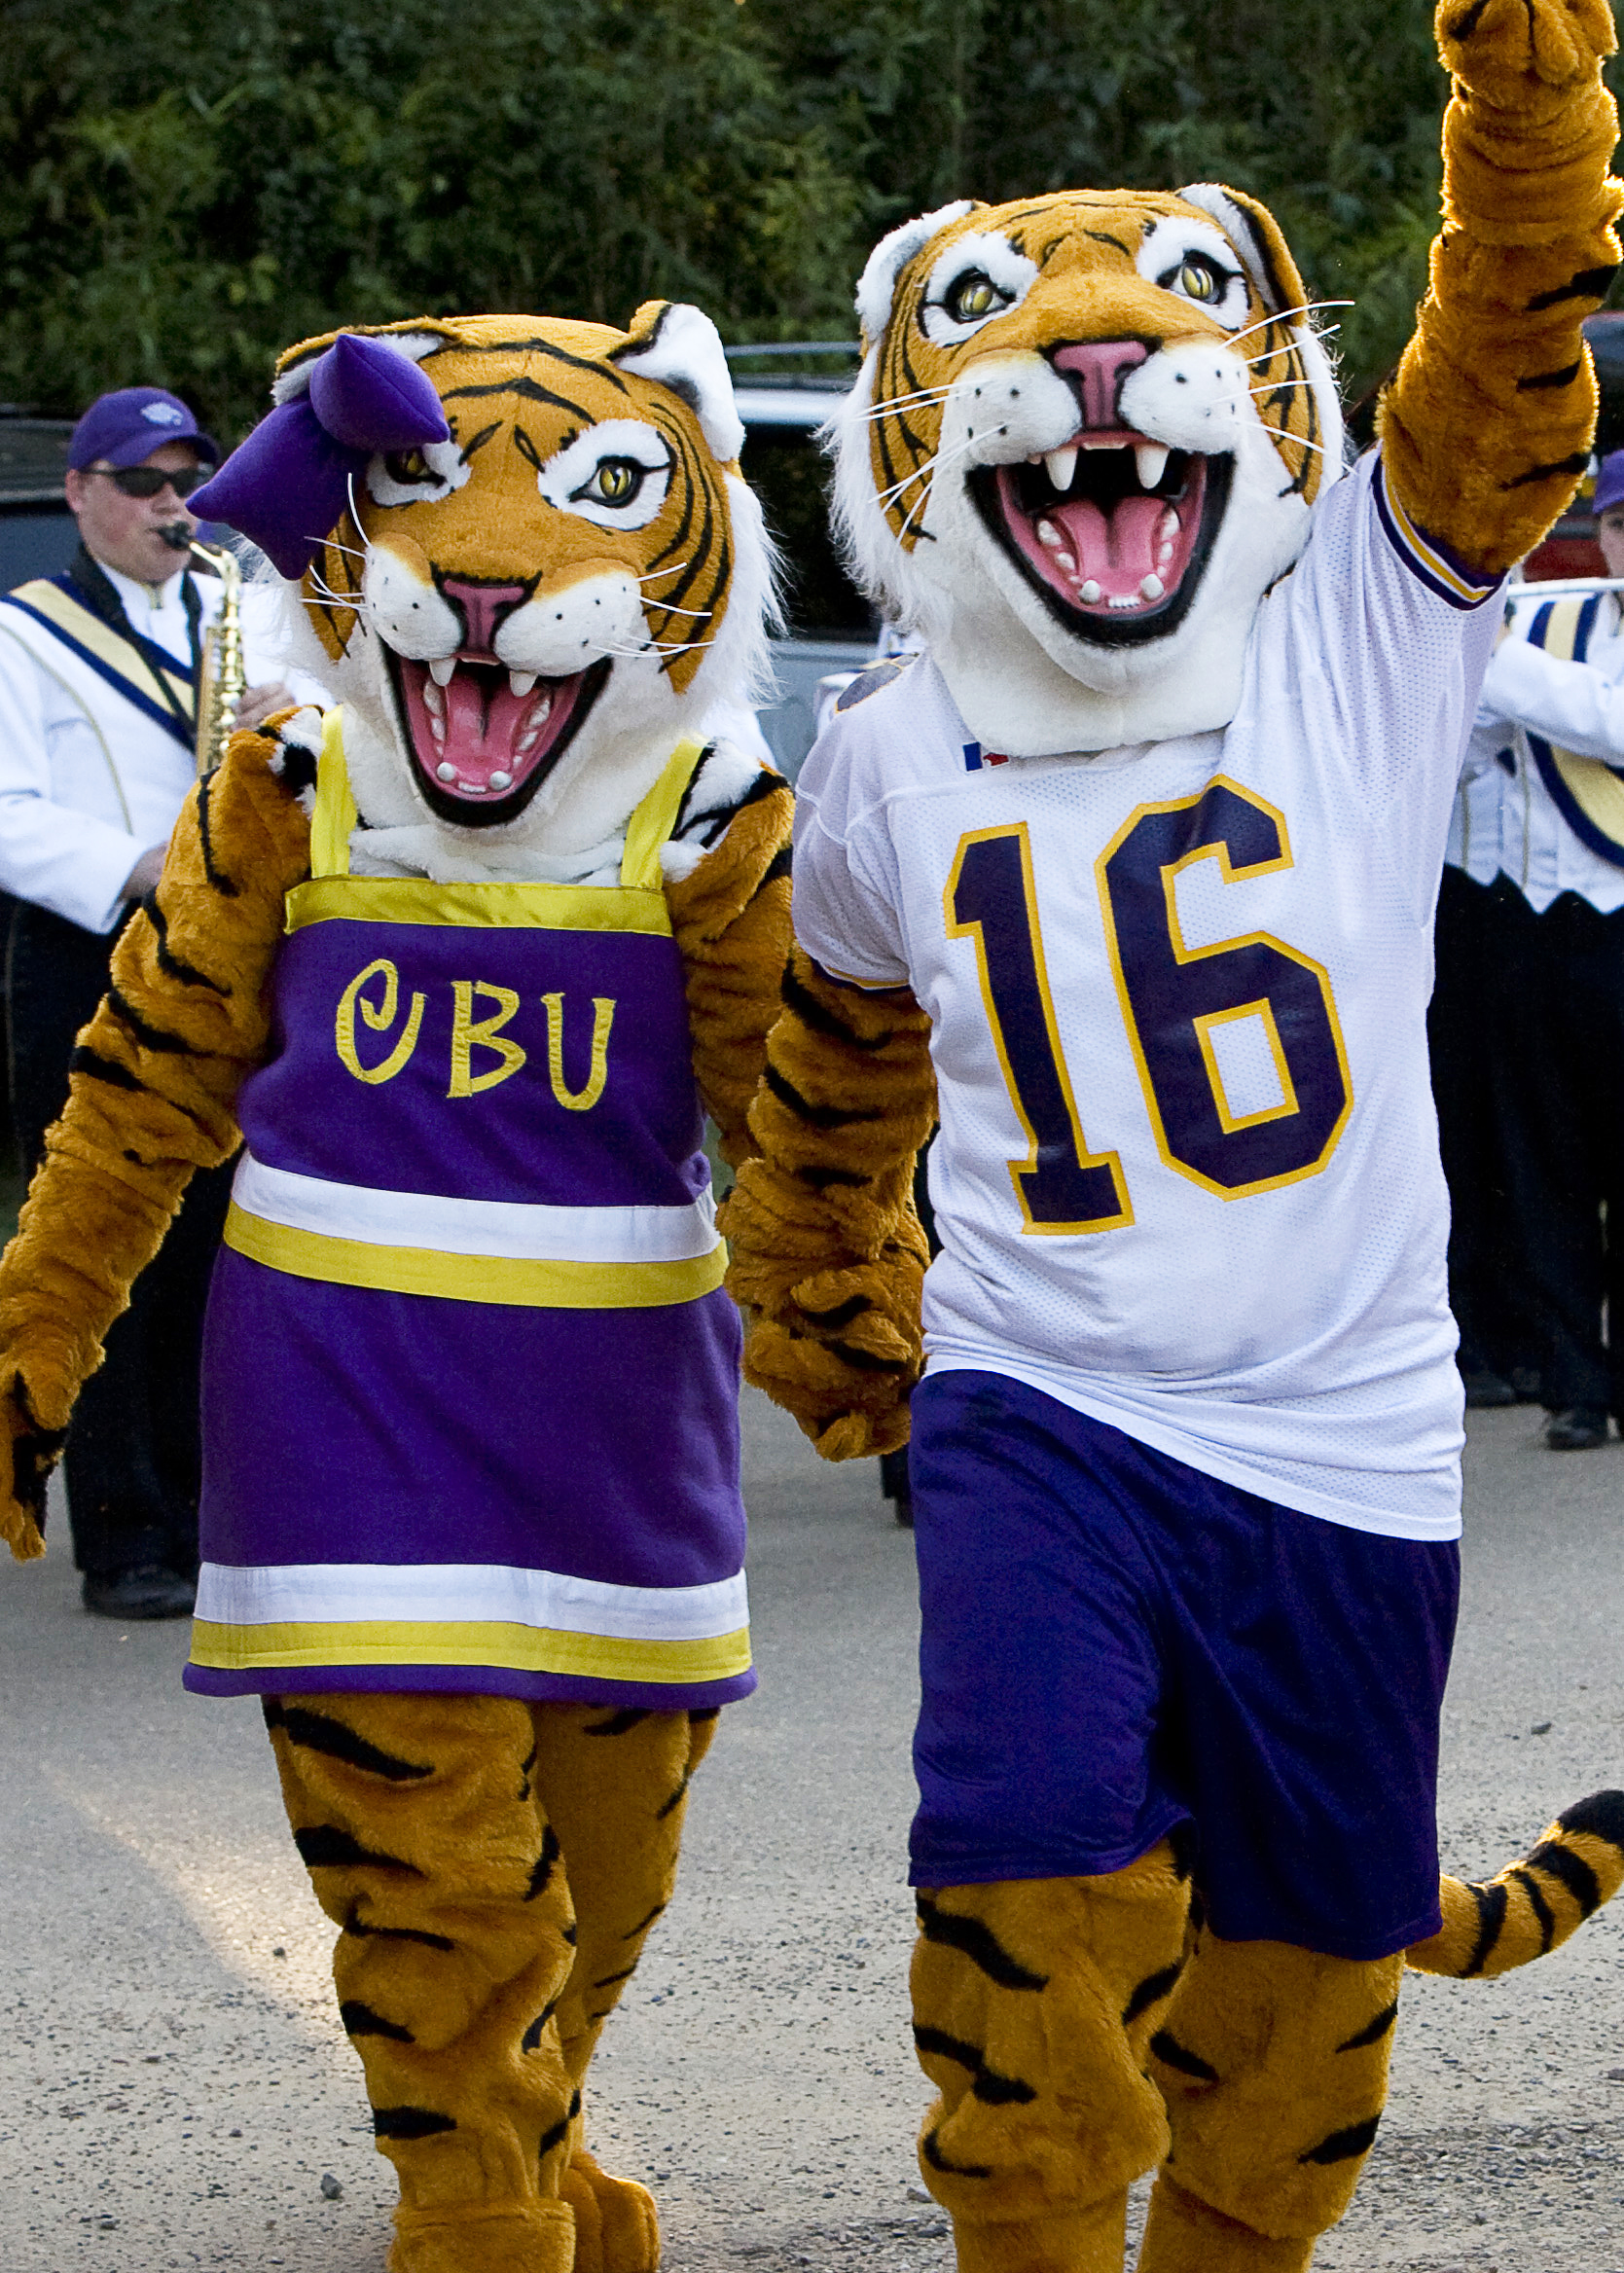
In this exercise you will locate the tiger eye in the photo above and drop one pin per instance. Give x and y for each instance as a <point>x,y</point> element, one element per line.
<point>974,297</point>
<point>1197,281</point>
<point>617,481</point>
<point>407,465</point>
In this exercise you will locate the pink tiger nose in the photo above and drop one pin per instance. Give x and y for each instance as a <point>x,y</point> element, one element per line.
<point>483,606</point>
<point>1102,366</point>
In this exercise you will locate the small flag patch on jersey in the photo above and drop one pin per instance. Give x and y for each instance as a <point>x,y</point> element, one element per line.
<point>975,757</point>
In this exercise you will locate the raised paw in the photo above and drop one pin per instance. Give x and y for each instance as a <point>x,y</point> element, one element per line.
<point>616,2228</point>
<point>1501,49</point>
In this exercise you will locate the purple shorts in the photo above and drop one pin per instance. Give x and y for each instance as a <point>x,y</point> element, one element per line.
<point>1115,1643</point>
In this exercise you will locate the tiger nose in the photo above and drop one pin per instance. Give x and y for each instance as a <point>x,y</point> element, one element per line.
<point>482,607</point>
<point>1102,366</point>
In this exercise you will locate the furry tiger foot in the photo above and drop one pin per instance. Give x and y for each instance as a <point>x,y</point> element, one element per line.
<point>616,2227</point>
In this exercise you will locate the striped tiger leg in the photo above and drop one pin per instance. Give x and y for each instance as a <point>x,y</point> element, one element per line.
<point>1272,2062</point>
<point>614,1786</point>
<point>1032,2003</point>
<point>416,1820</point>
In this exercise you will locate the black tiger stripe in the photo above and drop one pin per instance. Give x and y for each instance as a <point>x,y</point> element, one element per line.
<point>527,390</point>
<point>1490,1903</point>
<point>697,1713</point>
<point>842,1314</point>
<point>1571,1869</point>
<point>410,2123</point>
<point>357,1927</point>
<point>619,1723</point>
<point>796,995</point>
<point>555,2136</point>
<point>1588,284</point>
<point>977,1941</point>
<point>669,1806</point>
<point>541,1870</point>
<point>217,877</point>
<point>320,1732</point>
<point>815,1116</point>
<point>1151,1991</point>
<point>173,966</point>
<point>782,863</point>
<point>819,1179</point>
<point>938,2162</point>
<point>1181,1847</point>
<point>1599,1817</point>
<point>1172,2054</point>
<point>864,1360</point>
<point>149,1036</point>
<point>613,1980</point>
<point>530,2040</point>
<point>296,767</point>
<point>1373,2031</point>
<point>989,2086</point>
<point>634,1932</point>
<point>1344,2146</point>
<point>34,1454</point>
<point>1542,379</point>
<point>1536,1902</point>
<point>360,2020</point>
<point>685,804</point>
<point>327,1847</point>
<point>96,1068</point>
<point>1562,468</point>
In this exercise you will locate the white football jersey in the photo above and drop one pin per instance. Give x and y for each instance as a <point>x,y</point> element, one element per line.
<point>1187,1177</point>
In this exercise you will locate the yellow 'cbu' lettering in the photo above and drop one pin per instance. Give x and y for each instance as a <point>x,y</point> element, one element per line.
<point>579,1100</point>
<point>487,1033</point>
<point>378,1018</point>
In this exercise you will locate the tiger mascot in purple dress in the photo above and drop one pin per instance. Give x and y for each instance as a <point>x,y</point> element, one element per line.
<point>1128,882</point>
<point>462,962</point>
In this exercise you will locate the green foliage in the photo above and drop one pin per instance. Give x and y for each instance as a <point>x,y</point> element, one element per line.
<point>185,189</point>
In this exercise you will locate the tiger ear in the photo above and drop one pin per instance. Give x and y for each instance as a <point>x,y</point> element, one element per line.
<point>876,285</point>
<point>415,338</point>
<point>678,346</point>
<point>1258,238</point>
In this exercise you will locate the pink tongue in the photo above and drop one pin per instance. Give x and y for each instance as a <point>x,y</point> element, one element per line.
<point>480,739</point>
<point>1118,550</point>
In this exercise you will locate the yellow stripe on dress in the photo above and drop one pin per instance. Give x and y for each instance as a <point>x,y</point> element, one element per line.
<point>530,907</point>
<point>1468,588</point>
<point>518,1283</point>
<point>517,1648</point>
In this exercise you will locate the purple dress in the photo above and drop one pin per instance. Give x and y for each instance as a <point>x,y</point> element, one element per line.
<point>470,1379</point>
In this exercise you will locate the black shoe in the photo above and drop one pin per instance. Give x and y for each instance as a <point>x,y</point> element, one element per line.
<point>1526,1385</point>
<point>148,1591</point>
<point>1580,1428</point>
<point>1486,1390</point>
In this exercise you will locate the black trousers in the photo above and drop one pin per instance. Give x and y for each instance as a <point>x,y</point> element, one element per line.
<point>1488,1273</point>
<point>133,1457</point>
<point>1558,1081</point>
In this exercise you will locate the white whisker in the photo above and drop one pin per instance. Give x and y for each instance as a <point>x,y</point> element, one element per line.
<point>655,574</point>
<point>942,458</point>
<point>926,394</point>
<point>1285,315</point>
<point>1301,440</point>
<point>666,609</point>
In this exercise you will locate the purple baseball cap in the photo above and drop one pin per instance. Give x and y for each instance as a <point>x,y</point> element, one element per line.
<point>1610,483</point>
<point>126,427</point>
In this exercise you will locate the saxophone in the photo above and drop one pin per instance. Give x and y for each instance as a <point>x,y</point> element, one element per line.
<point>221,678</point>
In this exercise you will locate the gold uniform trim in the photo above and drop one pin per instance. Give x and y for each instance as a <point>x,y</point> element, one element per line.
<point>530,907</point>
<point>539,1650</point>
<point>520,1284</point>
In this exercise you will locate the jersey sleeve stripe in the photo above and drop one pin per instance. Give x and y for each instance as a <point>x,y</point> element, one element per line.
<point>1437,567</point>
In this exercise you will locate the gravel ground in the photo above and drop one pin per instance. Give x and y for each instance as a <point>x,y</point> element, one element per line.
<point>175,2091</point>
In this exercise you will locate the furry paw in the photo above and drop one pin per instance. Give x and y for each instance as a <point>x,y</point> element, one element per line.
<point>29,1451</point>
<point>616,2228</point>
<point>1499,49</point>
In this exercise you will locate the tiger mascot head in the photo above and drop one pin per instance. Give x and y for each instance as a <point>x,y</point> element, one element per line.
<point>1087,436</point>
<point>521,555</point>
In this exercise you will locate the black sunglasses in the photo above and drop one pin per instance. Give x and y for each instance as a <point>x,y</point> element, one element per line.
<point>151,481</point>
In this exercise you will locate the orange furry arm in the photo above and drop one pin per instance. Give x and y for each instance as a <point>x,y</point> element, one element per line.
<point>730,918</point>
<point>152,1094</point>
<point>1488,426</point>
<point>828,1256</point>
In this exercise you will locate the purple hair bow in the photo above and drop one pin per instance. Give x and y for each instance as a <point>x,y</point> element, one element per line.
<point>287,485</point>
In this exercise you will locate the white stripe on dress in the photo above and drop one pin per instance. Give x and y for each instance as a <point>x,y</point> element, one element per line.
<point>306,1594</point>
<point>516,1230</point>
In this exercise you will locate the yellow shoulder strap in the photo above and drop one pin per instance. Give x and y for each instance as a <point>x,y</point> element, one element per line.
<point>335,813</point>
<point>652,823</point>
<point>1562,629</point>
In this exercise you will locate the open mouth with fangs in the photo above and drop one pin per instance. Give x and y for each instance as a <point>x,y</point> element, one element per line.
<point>1113,529</point>
<point>483,737</point>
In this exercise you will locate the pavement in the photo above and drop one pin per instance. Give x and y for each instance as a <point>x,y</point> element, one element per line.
<point>175,2092</point>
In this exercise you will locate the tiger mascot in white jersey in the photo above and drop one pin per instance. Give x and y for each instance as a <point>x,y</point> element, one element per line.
<point>462,962</point>
<point>1128,880</point>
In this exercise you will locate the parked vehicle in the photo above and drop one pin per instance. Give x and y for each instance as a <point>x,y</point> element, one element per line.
<point>38,534</point>
<point>832,629</point>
